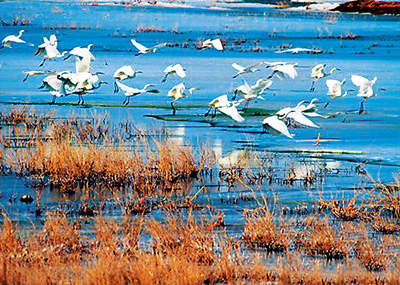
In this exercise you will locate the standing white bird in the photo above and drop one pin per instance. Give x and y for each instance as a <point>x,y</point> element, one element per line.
<point>297,50</point>
<point>275,125</point>
<point>177,92</point>
<point>280,69</point>
<point>226,107</point>
<point>142,49</point>
<point>12,38</point>
<point>123,73</point>
<point>335,89</point>
<point>244,70</point>
<point>174,69</point>
<point>81,83</point>
<point>365,90</point>
<point>318,72</point>
<point>130,92</point>
<point>217,44</point>
<point>55,86</point>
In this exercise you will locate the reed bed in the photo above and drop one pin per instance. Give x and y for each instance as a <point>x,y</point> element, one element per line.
<point>141,172</point>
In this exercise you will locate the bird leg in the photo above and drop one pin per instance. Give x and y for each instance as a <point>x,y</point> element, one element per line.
<point>165,78</point>
<point>126,98</point>
<point>42,63</point>
<point>312,89</point>
<point>26,77</point>
<point>361,107</point>
<point>68,56</point>
<point>246,106</point>
<point>214,113</point>
<point>54,99</point>
<point>173,107</point>
<point>326,105</point>
<point>127,101</point>
<point>116,88</point>
<point>208,112</point>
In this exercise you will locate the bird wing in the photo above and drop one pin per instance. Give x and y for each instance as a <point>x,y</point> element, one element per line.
<point>179,70</point>
<point>301,119</point>
<point>127,89</point>
<point>316,70</point>
<point>217,44</point>
<point>139,46</point>
<point>334,87</point>
<point>232,112</point>
<point>279,126</point>
<point>287,69</point>
<point>257,64</point>
<point>359,80</point>
<point>159,46</point>
<point>238,67</point>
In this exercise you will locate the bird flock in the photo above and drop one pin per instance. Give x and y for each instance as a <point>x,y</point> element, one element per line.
<point>83,81</point>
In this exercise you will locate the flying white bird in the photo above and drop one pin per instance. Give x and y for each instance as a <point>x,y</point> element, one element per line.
<point>174,69</point>
<point>123,73</point>
<point>217,44</point>
<point>51,53</point>
<point>35,72</point>
<point>297,115</point>
<point>297,50</point>
<point>177,92</point>
<point>226,107</point>
<point>275,125</point>
<point>280,69</point>
<point>130,92</point>
<point>16,39</point>
<point>318,72</point>
<point>310,110</point>
<point>142,49</point>
<point>244,70</point>
<point>365,90</point>
<point>83,58</point>
<point>41,48</point>
<point>250,93</point>
<point>335,89</point>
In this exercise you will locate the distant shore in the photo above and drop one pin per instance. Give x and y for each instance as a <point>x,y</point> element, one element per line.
<point>370,6</point>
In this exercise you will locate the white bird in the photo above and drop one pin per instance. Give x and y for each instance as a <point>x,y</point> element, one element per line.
<point>252,92</point>
<point>35,72</point>
<point>177,92</point>
<point>12,38</point>
<point>81,83</point>
<point>51,53</point>
<point>41,48</point>
<point>318,72</point>
<point>297,50</point>
<point>83,58</point>
<point>217,44</point>
<point>226,107</point>
<point>365,90</point>
<point>335,89</point>
<point>123,73</point>
<point>174,69</point>
<point>281,68</point>
<point>297,115</point>
<point>244,70</point>
<point>142,49</point>
<point>310,110</point>
<point>130,92</point>
<point>275,125</point>
<point>55,86</point>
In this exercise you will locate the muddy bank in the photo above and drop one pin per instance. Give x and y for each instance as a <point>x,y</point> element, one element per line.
<point>370,6</point>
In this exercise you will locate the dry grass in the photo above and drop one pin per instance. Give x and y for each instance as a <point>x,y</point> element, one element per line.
<point>263,230</point>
